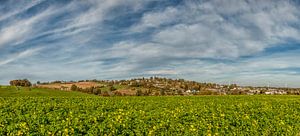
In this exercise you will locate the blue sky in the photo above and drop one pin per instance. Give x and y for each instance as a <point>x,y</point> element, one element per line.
<point>248,42</point>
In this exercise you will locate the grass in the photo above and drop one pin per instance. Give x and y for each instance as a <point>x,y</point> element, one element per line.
<point>117,87</point>
<point>9,91</point>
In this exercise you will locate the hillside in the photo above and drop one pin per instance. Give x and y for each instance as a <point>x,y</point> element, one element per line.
<point>9,91</point>
<point>155,86</point>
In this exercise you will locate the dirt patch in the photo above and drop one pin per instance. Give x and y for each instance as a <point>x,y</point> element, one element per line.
<point>127,92</point>
<point>83,85</point>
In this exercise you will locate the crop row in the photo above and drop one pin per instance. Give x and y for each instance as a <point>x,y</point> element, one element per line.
<point>207,115</point>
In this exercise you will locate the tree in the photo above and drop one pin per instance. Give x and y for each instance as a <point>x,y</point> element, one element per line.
<point>19,82</point>
<point>112,88</point>
<point>97,91</point>
<point>148,92</point>
<point>162,92</point>
<point>105,93</point>
<point>74,87</point>
<point>179,92</point>
<point>139,92</point>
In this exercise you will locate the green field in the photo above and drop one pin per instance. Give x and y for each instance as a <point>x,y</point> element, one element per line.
<point>10,91</point>
<point>72,114</point>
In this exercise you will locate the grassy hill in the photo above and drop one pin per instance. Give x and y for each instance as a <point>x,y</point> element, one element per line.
<point>10,91</point>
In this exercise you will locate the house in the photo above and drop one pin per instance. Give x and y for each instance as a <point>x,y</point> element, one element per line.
<point>64,88</point>
<point>270,92</point>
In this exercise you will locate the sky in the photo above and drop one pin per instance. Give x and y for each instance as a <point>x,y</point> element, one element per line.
<point>247,42</point>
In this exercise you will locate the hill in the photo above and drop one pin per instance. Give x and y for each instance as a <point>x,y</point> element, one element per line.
<point>10,91</point>
<point>155,86</point>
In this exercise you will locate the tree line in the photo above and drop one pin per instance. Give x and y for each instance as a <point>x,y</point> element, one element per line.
<point>20,82</point>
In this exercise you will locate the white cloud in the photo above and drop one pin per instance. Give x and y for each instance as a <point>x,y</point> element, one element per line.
<point>183,40</point>
<point>19,8</point>
<point>20,30</point>
<point>222,29</point>
<point>156,19</point>
<point>162,72</point>
<point>20,55</point>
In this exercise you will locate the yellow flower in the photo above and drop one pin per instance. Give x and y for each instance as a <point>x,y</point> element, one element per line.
<point>20,133</point>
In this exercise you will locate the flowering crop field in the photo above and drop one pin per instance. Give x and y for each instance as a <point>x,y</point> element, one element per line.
<point>195,115</point>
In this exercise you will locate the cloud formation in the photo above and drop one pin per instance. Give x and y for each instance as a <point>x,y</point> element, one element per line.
<point>247,42</point>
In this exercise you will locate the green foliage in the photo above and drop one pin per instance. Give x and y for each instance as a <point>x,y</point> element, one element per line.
<point>205,115</point>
